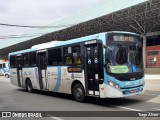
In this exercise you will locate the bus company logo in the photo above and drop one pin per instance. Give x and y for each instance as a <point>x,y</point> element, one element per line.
<point>129,84</point>
<point>76,75</point>
<point>30,73</point>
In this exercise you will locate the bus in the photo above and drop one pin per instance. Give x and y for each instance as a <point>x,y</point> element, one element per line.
<point>4,69</point>
<point>104,65</point>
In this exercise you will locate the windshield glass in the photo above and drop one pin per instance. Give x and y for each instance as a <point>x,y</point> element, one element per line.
<point>124,56</point>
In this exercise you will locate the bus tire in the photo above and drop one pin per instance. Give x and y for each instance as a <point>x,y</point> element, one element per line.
<point>29,87</point>
<point>6,75</point>
<point>79,93</point>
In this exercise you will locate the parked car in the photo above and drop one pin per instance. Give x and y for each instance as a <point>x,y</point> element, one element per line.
<point>4,69</point>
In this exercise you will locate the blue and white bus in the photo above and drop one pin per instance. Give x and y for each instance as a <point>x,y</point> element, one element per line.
<point>4,69</point>
<point>103,65</point>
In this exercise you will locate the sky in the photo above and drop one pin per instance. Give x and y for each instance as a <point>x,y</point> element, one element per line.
<point>38,13</point>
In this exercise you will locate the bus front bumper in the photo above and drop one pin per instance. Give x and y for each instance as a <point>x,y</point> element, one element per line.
<point>107,91</point>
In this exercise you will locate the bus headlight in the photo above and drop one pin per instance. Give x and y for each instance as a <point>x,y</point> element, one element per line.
<point>113,84</point>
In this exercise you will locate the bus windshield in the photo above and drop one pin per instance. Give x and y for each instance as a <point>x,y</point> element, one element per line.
<point>124,57</point>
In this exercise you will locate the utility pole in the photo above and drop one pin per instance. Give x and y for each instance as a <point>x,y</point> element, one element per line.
<point>144,50</point>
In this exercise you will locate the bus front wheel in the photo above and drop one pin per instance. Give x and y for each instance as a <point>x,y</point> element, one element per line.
<point>79,93</point>
<point>29,87</point>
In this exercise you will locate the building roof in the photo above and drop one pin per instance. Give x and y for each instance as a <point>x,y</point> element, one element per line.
<point>107,7</point>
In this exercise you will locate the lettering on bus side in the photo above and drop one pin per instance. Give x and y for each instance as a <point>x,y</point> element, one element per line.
<point>75,69</point>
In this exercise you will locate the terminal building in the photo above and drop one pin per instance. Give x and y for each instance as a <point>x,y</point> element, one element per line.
<point>138,16</point>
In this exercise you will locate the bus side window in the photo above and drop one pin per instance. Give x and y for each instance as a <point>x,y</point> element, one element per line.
<point>72,55</point>
<point>55,57</point>
<point>33,60</point>
<point>12,62</point>
<point>76,55</point>
<point>67,55</point>
<point>68,60</point>
<point>26,60</point>
<point>77,60</point>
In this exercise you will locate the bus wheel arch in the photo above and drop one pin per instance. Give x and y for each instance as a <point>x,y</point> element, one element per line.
<point>28,85</point>
<point>78,91</point>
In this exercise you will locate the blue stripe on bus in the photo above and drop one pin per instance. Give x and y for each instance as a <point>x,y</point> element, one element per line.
<point>58,83</point>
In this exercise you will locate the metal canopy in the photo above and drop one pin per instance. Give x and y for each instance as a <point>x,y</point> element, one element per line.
<point>139,17</point>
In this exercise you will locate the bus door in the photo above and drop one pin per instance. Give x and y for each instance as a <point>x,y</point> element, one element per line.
<point>94,68</point>
<point>42,68</point>
<point>19,69</point>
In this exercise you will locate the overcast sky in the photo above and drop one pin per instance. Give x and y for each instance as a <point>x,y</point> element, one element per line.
<point>38,12</point>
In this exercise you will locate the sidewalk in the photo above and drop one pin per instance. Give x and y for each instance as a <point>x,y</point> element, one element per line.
<point>152,82</point>
<point>152,77</point>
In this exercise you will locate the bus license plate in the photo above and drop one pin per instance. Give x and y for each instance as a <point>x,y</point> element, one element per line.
<point>133,91</point>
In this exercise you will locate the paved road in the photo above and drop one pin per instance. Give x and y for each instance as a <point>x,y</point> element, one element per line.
<point>13,98</point>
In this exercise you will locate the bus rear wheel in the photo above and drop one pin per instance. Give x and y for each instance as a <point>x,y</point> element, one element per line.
<point>79,93</point>
<point>29,87</point>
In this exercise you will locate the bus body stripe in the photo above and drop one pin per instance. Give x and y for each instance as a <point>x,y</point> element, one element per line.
<point>58,83</point>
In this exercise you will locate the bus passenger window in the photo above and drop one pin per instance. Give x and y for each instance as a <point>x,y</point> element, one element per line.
<point>77,60</point>
<point>68,60</point>
<point>26,60</point>
<point>33,58</point>
<point>67,55</point>
<point>76,55</point>
<point>12,62</point>
<point>55,57</point>
<point>72,55</point>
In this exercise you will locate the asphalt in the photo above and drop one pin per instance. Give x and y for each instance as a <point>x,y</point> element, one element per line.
<point>13,98</point>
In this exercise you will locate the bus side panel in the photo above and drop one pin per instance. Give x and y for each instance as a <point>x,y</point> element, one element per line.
<point>54,79</point>
<point>32,74</point>
<point>60,80</point>
<point>69,77</point>
<point>13,76</point>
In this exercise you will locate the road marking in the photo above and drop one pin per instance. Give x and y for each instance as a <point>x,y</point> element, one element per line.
<point>157,109</point>
<point>127,108</point>
<point>56,118</point>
